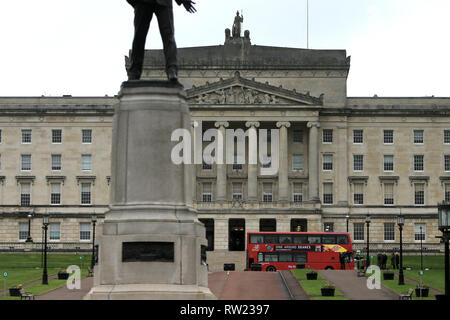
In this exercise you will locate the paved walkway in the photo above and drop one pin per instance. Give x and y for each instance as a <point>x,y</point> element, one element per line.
<point>354,287</point>
<point>296,290</point>
<point>63,293</point>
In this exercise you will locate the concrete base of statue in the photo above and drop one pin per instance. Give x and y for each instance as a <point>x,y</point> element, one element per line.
<point>150,241</point>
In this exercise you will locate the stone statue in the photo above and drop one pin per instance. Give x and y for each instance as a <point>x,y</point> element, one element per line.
<point>237,25</point>
<point>143,13</point>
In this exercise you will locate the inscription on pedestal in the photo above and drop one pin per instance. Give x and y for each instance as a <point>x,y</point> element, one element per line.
<point>148,252</point>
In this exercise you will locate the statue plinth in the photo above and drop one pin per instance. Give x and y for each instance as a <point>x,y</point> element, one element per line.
<point>151,239</point>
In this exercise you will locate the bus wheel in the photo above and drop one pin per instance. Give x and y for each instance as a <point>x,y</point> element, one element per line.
<point>329,268</point>
<point>271,269</point>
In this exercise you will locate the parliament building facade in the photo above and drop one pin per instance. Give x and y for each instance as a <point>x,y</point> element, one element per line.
<point>340,158</point>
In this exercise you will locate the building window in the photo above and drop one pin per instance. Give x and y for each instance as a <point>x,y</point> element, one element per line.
<point>389,231</point>
<point>56,162</point>
<point>237,163</point>
<point>237,190</point>
<point>26,162</point>
<point>297,162</point>
<point>328,227</point>
<point>447,162</point>
<point>267,192</point>
<point>299,225</point>
<point>388,163</point>
<point>447,136</point>
<point>358,231</point>
<point>388,193</point>
<point>85,231</point>
<point>86,164</point>
<point>419,193</point>
<point>298,136</point>
<point>26,136</point>
<point>358,193</point>
<point>327,136</point>
<point>358,162</point>
<point>56,136</point>
<point>327,162</point>
<point>23,230</point>
<point>420,230</point>
<point>55,193</point>
<point>388,136</point>
<point>418,162</point>
<point>0,135</point>
<point>358,136</point>
<point>55,231</point>
<point>447,192</point>
<point>207,192</point>
<point>267,225</point>
<point>328,193</point>
<point>298,192</point>
<point>267,162</point>
<point>86,136</point>
<point>418,136</point>
<point>86,193</point>
<point>25,194</point>
<point>209,226</point>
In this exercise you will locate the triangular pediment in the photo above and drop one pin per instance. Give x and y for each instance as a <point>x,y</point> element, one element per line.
<point>238,90</point>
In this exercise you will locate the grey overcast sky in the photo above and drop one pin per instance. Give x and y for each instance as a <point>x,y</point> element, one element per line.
<point>77,47</point>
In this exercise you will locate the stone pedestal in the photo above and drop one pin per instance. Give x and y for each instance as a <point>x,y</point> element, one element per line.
<point>150,243</point>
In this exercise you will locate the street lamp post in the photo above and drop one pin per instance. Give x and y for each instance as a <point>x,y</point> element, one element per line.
<point>368,253</point>
<point>348,219</point>
<point>45,227</point>
<point>94,220</point>
<point>29,239</point>
<point>444,227</point>
<point>401,222</point>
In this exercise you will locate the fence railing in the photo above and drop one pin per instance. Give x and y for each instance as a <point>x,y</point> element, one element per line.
<point>51,246</point>
<point>428,248</point>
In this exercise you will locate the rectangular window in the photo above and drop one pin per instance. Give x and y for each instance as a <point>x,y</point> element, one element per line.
<point>86,193</point>
<point>328,193</point>
<point>237,190</point>
<point>418,162</point>
<point>267,192</point>
<point>447,136</point>
<point>328,227</point>
<point>358,162</point>
<point>26,162</point>
<point>297,162</point>
<point>55,231</point>
<point>389,231</point>
<point>447,162</point>
<point>420,230</point>
<point>56,136</point>
<point>388,193</point>
<point>237,163</point>
<point>419,193</point>
<point>327,135</point>
<point>86,162</point>
<point>85,231</point>
<point>388,136</point>
<point>206,166</point>
<point>388,163</point>
<point>418,136</point>
<point>297,192</point>
<point>298,136</point>
<point>25,194</point>
<point>327,162</point>
<point>86,136</point>
<point>207,192</point>
<point>358,231</point>
<point>26,136</point>
<point>55,193</point>
<point>0,135</point>
<point>447,192</point>
<point>358,194</point>
<point>56,162</point>
<point>23,230</point>
<point>358,136</point>
<point>267,162</point>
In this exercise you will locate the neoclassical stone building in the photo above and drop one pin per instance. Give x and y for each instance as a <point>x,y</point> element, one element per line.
<point>341,158</point>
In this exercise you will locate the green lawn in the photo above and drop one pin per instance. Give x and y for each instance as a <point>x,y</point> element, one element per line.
<point>312,287</point>
<point>393,285</point>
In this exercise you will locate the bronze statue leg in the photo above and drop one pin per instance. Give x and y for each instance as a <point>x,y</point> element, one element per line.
<point>167,30</point>
<point>142,17</point>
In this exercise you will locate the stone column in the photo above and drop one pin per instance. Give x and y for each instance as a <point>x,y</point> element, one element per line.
<point>283,180</point>
<point>221,165</point>
<point>252,193</point>
<point>342,165</point>
<point>313,161</point>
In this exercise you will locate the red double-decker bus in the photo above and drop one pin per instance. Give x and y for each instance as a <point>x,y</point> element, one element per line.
<point>271,251</point>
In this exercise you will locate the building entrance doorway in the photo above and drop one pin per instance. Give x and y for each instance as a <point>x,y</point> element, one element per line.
<point>236,234</point>
<point>299,225</point>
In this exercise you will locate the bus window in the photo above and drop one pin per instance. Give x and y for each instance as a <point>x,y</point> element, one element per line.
<point>342,239</point>
<point>271,257</point>
<point>314,239</point>
<point>300,257</point>
<point>271,238</point>
<point>300,239</point>
<point>285,239</point>
<point>328,239</point>
<point>260,257</point>
<point>256,238</point>
<point>285,257</point>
